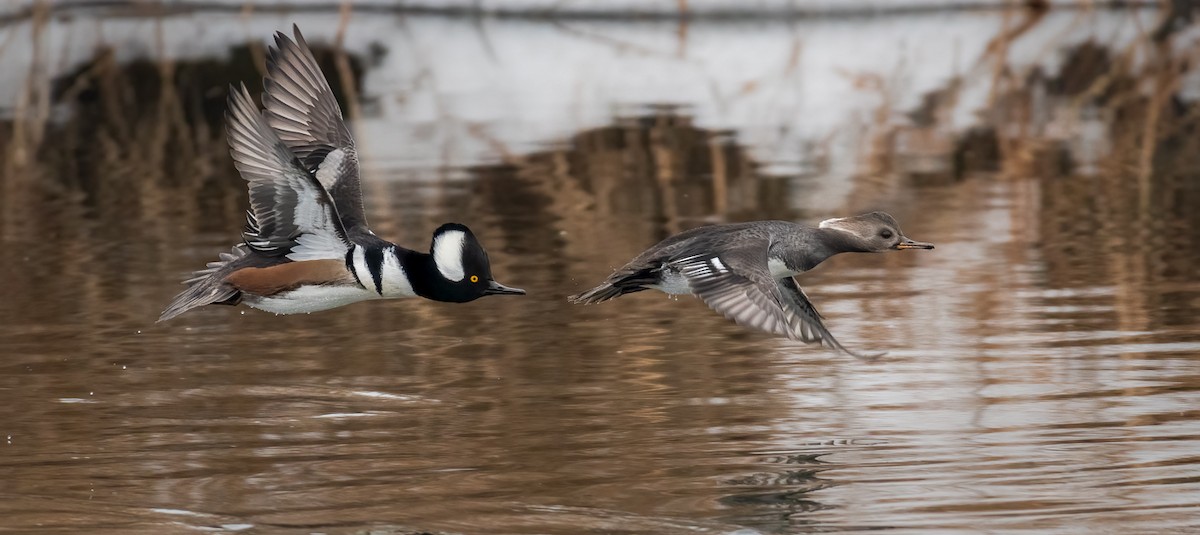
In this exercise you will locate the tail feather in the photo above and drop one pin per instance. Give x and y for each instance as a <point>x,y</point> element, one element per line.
<point>617,285</point>
<point>599,294</point>
<point>212,267</point>
<point>207,286</point>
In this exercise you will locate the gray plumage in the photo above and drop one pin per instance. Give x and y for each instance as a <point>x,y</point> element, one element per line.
<point>744,270</point>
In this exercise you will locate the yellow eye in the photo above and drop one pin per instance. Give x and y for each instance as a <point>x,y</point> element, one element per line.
<point>474,278</point>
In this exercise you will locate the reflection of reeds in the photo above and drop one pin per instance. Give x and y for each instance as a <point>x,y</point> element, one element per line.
<point>661,166</point>
<point>141,136</point>
<point>26,131</point>
<point>135,136</point>
<point>1111,144</point>
<point>30,112</point>
<point>1101,155</point>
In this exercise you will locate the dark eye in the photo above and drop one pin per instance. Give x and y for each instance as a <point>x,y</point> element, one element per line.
<point>885,234</point>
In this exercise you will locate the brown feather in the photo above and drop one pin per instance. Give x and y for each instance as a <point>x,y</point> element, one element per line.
<point>269,281</point>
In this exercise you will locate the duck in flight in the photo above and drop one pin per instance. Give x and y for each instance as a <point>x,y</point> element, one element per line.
<point>744,270</point>
<point>306,246</point>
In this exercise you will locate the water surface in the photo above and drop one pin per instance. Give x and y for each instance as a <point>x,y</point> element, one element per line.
<point>1041,373</point>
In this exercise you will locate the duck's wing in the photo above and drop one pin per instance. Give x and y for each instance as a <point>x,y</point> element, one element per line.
<point>301,108</point>
<point>291,213</point>
<point>805,322</point>
<point>737,284</point>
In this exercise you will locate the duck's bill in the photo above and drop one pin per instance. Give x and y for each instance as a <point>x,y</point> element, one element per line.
<point>909,244</point>
<point>495,288</point>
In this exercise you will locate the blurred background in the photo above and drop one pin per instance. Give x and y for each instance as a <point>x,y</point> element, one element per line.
<point>1043,362</point>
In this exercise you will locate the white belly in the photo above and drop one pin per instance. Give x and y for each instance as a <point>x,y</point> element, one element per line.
<point>310,299</point>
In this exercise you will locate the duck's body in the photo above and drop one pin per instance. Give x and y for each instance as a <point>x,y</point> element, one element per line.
<point>307,246</point>
<point>744,270</point>
<point>381,270</point>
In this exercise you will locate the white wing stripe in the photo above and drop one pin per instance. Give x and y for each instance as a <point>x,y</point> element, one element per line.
<point>330,168</point>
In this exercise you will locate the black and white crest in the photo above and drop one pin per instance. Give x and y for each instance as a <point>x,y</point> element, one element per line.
<point>449,251</point>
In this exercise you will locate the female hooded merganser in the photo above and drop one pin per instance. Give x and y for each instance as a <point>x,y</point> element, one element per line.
<point>744,270</point>
<point>306,246</point>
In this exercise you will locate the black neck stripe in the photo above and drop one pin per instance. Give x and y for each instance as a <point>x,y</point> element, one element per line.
<point>350,265</point>
<point>374,259</point>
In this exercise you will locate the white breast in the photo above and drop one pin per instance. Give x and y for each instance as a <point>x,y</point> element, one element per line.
<point>393,279</point>
<point>779,269</point>
<point>310,299</point>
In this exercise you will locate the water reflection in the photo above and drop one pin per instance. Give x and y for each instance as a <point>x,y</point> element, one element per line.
<point>1041,373</point>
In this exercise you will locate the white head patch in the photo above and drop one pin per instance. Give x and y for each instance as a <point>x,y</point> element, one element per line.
<point>830,222</point>
<point>448,254</point>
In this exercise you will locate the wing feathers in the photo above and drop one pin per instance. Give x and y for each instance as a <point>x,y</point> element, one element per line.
<point>302,109</point>
<point>803,318</point>
<point>738,291</point>
<point>738,285</point>
<point>290,212</point>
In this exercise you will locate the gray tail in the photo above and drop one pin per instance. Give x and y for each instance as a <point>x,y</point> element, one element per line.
<point>207,286</point>
<point>617,285</point>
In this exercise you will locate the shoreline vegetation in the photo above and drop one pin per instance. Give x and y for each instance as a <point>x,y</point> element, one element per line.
<point>585,10</point>
<point>1042,373</point>
<point>1085,115</point>
<point>986,112</point>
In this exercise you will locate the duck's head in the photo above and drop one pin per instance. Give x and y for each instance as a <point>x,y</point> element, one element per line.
<point>875,232</point>
<point>461,267</point>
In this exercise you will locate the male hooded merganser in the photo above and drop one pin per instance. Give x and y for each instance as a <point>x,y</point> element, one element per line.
<point>306,246</point>
<point>744,270</point>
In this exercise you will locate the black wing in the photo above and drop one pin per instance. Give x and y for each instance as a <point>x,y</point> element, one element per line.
<point>290,212</point>
<point>301,108</point>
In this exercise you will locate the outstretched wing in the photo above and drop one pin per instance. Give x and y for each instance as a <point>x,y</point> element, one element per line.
<point>290,212</point>
<point>301,108</point>
<point>738,284</point>
<point>804,320</point>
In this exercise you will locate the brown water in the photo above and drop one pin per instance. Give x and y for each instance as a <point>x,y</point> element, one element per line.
<point>1043,367</point>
